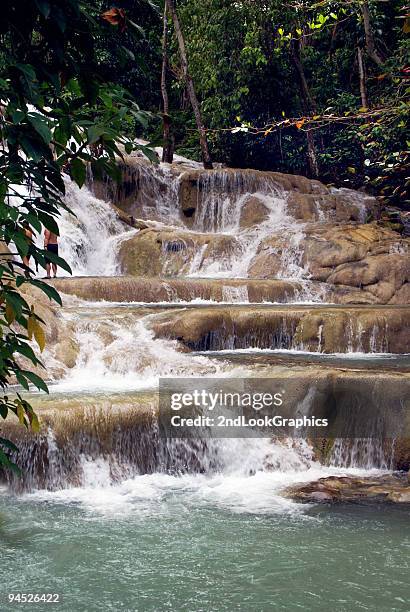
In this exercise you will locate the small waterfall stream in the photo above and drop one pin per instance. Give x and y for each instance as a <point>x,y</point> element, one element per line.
<point>90,240</point>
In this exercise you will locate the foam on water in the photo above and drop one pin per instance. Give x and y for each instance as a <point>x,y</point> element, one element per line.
<point>268,351</point>
<point>122,355</point>
<point>235,489</point>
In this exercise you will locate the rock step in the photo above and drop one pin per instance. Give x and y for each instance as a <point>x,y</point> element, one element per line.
<point>227,290</point>
<point>326,329</point>
<point>359,263</point>
<point>277,358</point>
<point>136,289</point>
<point>123,428</point>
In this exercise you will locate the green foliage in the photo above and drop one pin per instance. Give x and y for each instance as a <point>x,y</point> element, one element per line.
<point>241,57</point>
<point>57,115</point>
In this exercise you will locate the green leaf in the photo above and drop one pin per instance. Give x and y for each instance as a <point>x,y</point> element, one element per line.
<point>21,242</point>
<point>152,156</point>
<point>59,261</point>
<point>5,461</point>
<point>18,303</point>
<point>36,380</point>
<point>27,351</point>
<point>48,290</point>
<point>21,379</point>
<point>94,133</point>
<point>49,222</point>
<point>41,127</point>
<point>8,444</point>
<point>78,171</point>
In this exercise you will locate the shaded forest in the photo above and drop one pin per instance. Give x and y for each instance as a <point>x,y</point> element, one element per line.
<point>316,88</point>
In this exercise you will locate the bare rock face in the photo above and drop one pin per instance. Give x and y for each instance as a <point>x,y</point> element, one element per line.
<point>143,185</point>
<point>308,200</point>
<point>339,206</point>
<point>144,289</point>
<point>394,488</point>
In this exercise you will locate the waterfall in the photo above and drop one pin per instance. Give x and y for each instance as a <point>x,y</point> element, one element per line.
<point>223,215</point>
<point>119,354</point>
<point>100,424</point>
<point>106,442</point>
<point>90,237</point>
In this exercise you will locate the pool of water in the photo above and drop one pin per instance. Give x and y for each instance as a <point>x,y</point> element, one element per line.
<point>196,543</point>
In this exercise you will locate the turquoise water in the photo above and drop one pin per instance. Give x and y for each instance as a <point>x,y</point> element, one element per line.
<point>162,547</point>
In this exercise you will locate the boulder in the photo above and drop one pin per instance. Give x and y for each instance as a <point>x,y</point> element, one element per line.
<point>324,329</point>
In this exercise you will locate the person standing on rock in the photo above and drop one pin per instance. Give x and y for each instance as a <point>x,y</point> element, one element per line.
<point>51,245</point>
<point>28,233</point>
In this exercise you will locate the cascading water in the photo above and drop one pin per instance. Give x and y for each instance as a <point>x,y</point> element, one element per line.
<point>222,198</point>
<point>106,443</point>
<point>119,353</point>
<point>90,237</point>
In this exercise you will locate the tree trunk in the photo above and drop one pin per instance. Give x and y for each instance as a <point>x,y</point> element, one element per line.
<point>309,105</point>
<point>168,146</point>
<point>206,158</point>
<point>370,42</point>
<point>362,78</point>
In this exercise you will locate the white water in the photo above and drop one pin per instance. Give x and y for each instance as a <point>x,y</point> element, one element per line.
<point>89,241</point>
<point>222,215</point>
<point>121,354</point>
<point>349,355</point>
<point>252,479</point>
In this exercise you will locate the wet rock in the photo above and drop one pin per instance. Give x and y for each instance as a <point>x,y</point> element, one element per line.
<point>308,200</point>
<point>143,289</point>
<point>373,261</point>
<point>253,213</point>
<point>171,252</point>
<point>61,344</point>
<point>342,206</point>
<point>392,488</point>
<point>144,184</point>
<point>120,429</point>
<point>328,330</point>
